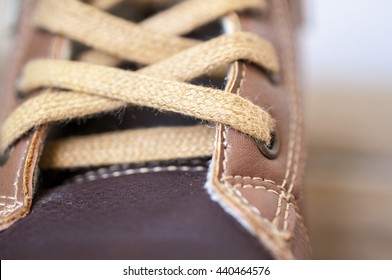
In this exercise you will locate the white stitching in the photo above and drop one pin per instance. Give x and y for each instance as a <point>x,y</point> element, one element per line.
<point>224,178</point>
<point>54,53</point>
<point>254,187</point>
<point>229,187</point>
<point>286,217</point>
<point>248,178</point>
<point>126,169</point>
<point>96,175</point>
<point>294,91</point>
<point>275,221</point>
<point>295,134</point>
<point>7,197</point>
<point>8,207</point>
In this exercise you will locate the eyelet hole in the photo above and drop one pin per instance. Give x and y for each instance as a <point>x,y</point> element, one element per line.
<point>4,157</point>
<point>275,78</point>
<point>270,150</point>
<point>21,95</point>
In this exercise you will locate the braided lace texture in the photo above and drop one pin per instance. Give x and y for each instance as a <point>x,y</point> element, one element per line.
<point>93,85</point>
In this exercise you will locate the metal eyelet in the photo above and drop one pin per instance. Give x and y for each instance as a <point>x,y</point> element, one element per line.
<point>272,149</point>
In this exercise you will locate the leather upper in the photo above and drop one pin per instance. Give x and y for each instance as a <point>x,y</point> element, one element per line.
<point>263,195</point>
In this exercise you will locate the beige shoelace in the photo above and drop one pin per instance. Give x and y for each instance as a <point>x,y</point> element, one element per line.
<point>91,86</point>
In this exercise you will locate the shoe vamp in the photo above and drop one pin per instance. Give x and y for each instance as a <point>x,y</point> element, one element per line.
<point>157,215</point>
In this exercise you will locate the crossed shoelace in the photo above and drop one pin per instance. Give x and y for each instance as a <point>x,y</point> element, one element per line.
<point>93,85</point>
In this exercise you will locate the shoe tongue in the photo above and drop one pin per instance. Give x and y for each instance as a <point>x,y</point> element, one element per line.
<point>135,117</point>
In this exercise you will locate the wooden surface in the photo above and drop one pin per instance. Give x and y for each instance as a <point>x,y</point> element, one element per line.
<point>349,175</point>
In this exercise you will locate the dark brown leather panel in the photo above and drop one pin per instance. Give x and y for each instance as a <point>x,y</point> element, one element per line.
<point>166,215</point>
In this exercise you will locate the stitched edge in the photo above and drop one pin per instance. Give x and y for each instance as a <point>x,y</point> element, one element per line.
<point>12,206</point>
<point>294,130</point>
<point>295,133</point>
<point>249,178</point>
<point>20,48</point>
<point>228,200</point>
<point>293,82</point>
<point>238,207</point>
<point>56,47</point>
<point>101,174</point>
<point>29,168</point>
<point>220,192</point>
<point>273,235</point>
<point>296,106</point>
<point>275,221</point>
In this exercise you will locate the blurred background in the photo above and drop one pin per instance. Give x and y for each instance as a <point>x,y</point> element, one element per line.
<point>347,71</point>
<point>346,49</point>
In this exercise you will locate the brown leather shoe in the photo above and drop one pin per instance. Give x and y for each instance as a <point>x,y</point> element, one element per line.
<point>101,162</point>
